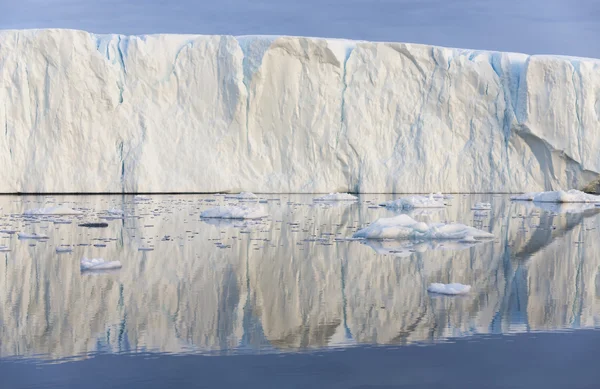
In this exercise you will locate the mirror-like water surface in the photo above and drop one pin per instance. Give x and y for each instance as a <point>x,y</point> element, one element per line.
<point>289,283</point>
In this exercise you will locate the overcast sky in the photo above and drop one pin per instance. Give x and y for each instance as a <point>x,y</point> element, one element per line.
<point>569,27</point>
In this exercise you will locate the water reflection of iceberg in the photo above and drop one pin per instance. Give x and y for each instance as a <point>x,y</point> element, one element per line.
<point>561,207</point>
<point>233,223</point>
<point>407,248</point>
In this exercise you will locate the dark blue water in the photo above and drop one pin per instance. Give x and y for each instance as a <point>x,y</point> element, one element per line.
<point>289,302</point>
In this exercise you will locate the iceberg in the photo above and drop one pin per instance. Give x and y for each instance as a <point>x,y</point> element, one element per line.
<point>234,212</point>
<point>336,197</point>
<point>98,264</point>
<point>449,289</point>
<point>415,202</point>
<point>90,113</point>
<point>571,196</point>
<point>405,227</point>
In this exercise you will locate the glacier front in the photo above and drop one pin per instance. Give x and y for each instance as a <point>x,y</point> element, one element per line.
<point>84,113</point>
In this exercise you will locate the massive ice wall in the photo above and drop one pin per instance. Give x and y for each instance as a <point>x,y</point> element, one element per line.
<point>171,113</point>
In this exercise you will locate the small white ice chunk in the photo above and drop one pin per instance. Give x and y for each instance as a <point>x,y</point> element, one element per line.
<point>450,289</point>
<point>411,202</point>
<point>336,197</point>
<point>234,212</point>
<point>405,227</point>
<point>34,236</point>
<point>98,264</point>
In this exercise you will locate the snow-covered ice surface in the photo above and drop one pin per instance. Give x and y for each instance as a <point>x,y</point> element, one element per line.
<point>415,201</point>
<point>213,114</point>
<point>288,282</point>
<point>98,264</point>
<point>405,227</point>
<point>336,197</point>
<point>450,289</point>
<point>570,196</point>
<point>234,212</point>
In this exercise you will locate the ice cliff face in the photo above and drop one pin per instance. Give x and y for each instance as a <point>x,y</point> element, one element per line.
<point>170,113</point>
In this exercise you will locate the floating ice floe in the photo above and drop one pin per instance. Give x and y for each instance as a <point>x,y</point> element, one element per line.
<point>234,212</point>
<point>242,196</point>
<point>98,264</point>
<point>411,202</point>
<point>481,207</point>
<point>571,196</point>
<point>64,249</point>
<point>4,249</point>
<point>34,236</point>
<point>141,199</point>
<point>9,232</point>
<point>405,227</point>
<point>336,197</point>
<point>450,289</point>
<point>52,211</point>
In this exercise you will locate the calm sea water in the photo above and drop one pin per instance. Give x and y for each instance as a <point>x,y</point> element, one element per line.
<point>289,298</point>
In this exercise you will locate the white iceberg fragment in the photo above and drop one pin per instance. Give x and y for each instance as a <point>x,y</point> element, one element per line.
<point>571,196</point>
<point>234,212</point>
<point>115,211</point>
<point>416,201</point>
<point>52,211</point>
<point>336,197</point>
<point>98,264</point>
<point>450,289</point>
<point>64,249</point>
<point>405,227</point>
<point>4,249</point>
<point>34,236</point>
<point>481,207</point>
<point>140,199</point>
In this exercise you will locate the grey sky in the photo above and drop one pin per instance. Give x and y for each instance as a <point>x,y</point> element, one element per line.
<point>569,27</point>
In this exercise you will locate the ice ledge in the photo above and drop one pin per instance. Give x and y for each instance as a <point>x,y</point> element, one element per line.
<point>289,114</point>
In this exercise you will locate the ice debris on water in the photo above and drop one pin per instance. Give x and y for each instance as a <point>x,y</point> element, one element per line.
<point>52,211</point>
<point>234,212</point>
<point>416,201</point>
<point>405,227</point>
<point>34,236</point>
<point>336,197</point>
<point>98,264</point>
<point>481,207</point>
<point>242,196</point>
<point>64,249</point>
<point>449,289</point>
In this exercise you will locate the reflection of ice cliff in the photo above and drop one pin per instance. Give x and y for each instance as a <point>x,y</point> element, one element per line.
<point>271,290</point>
